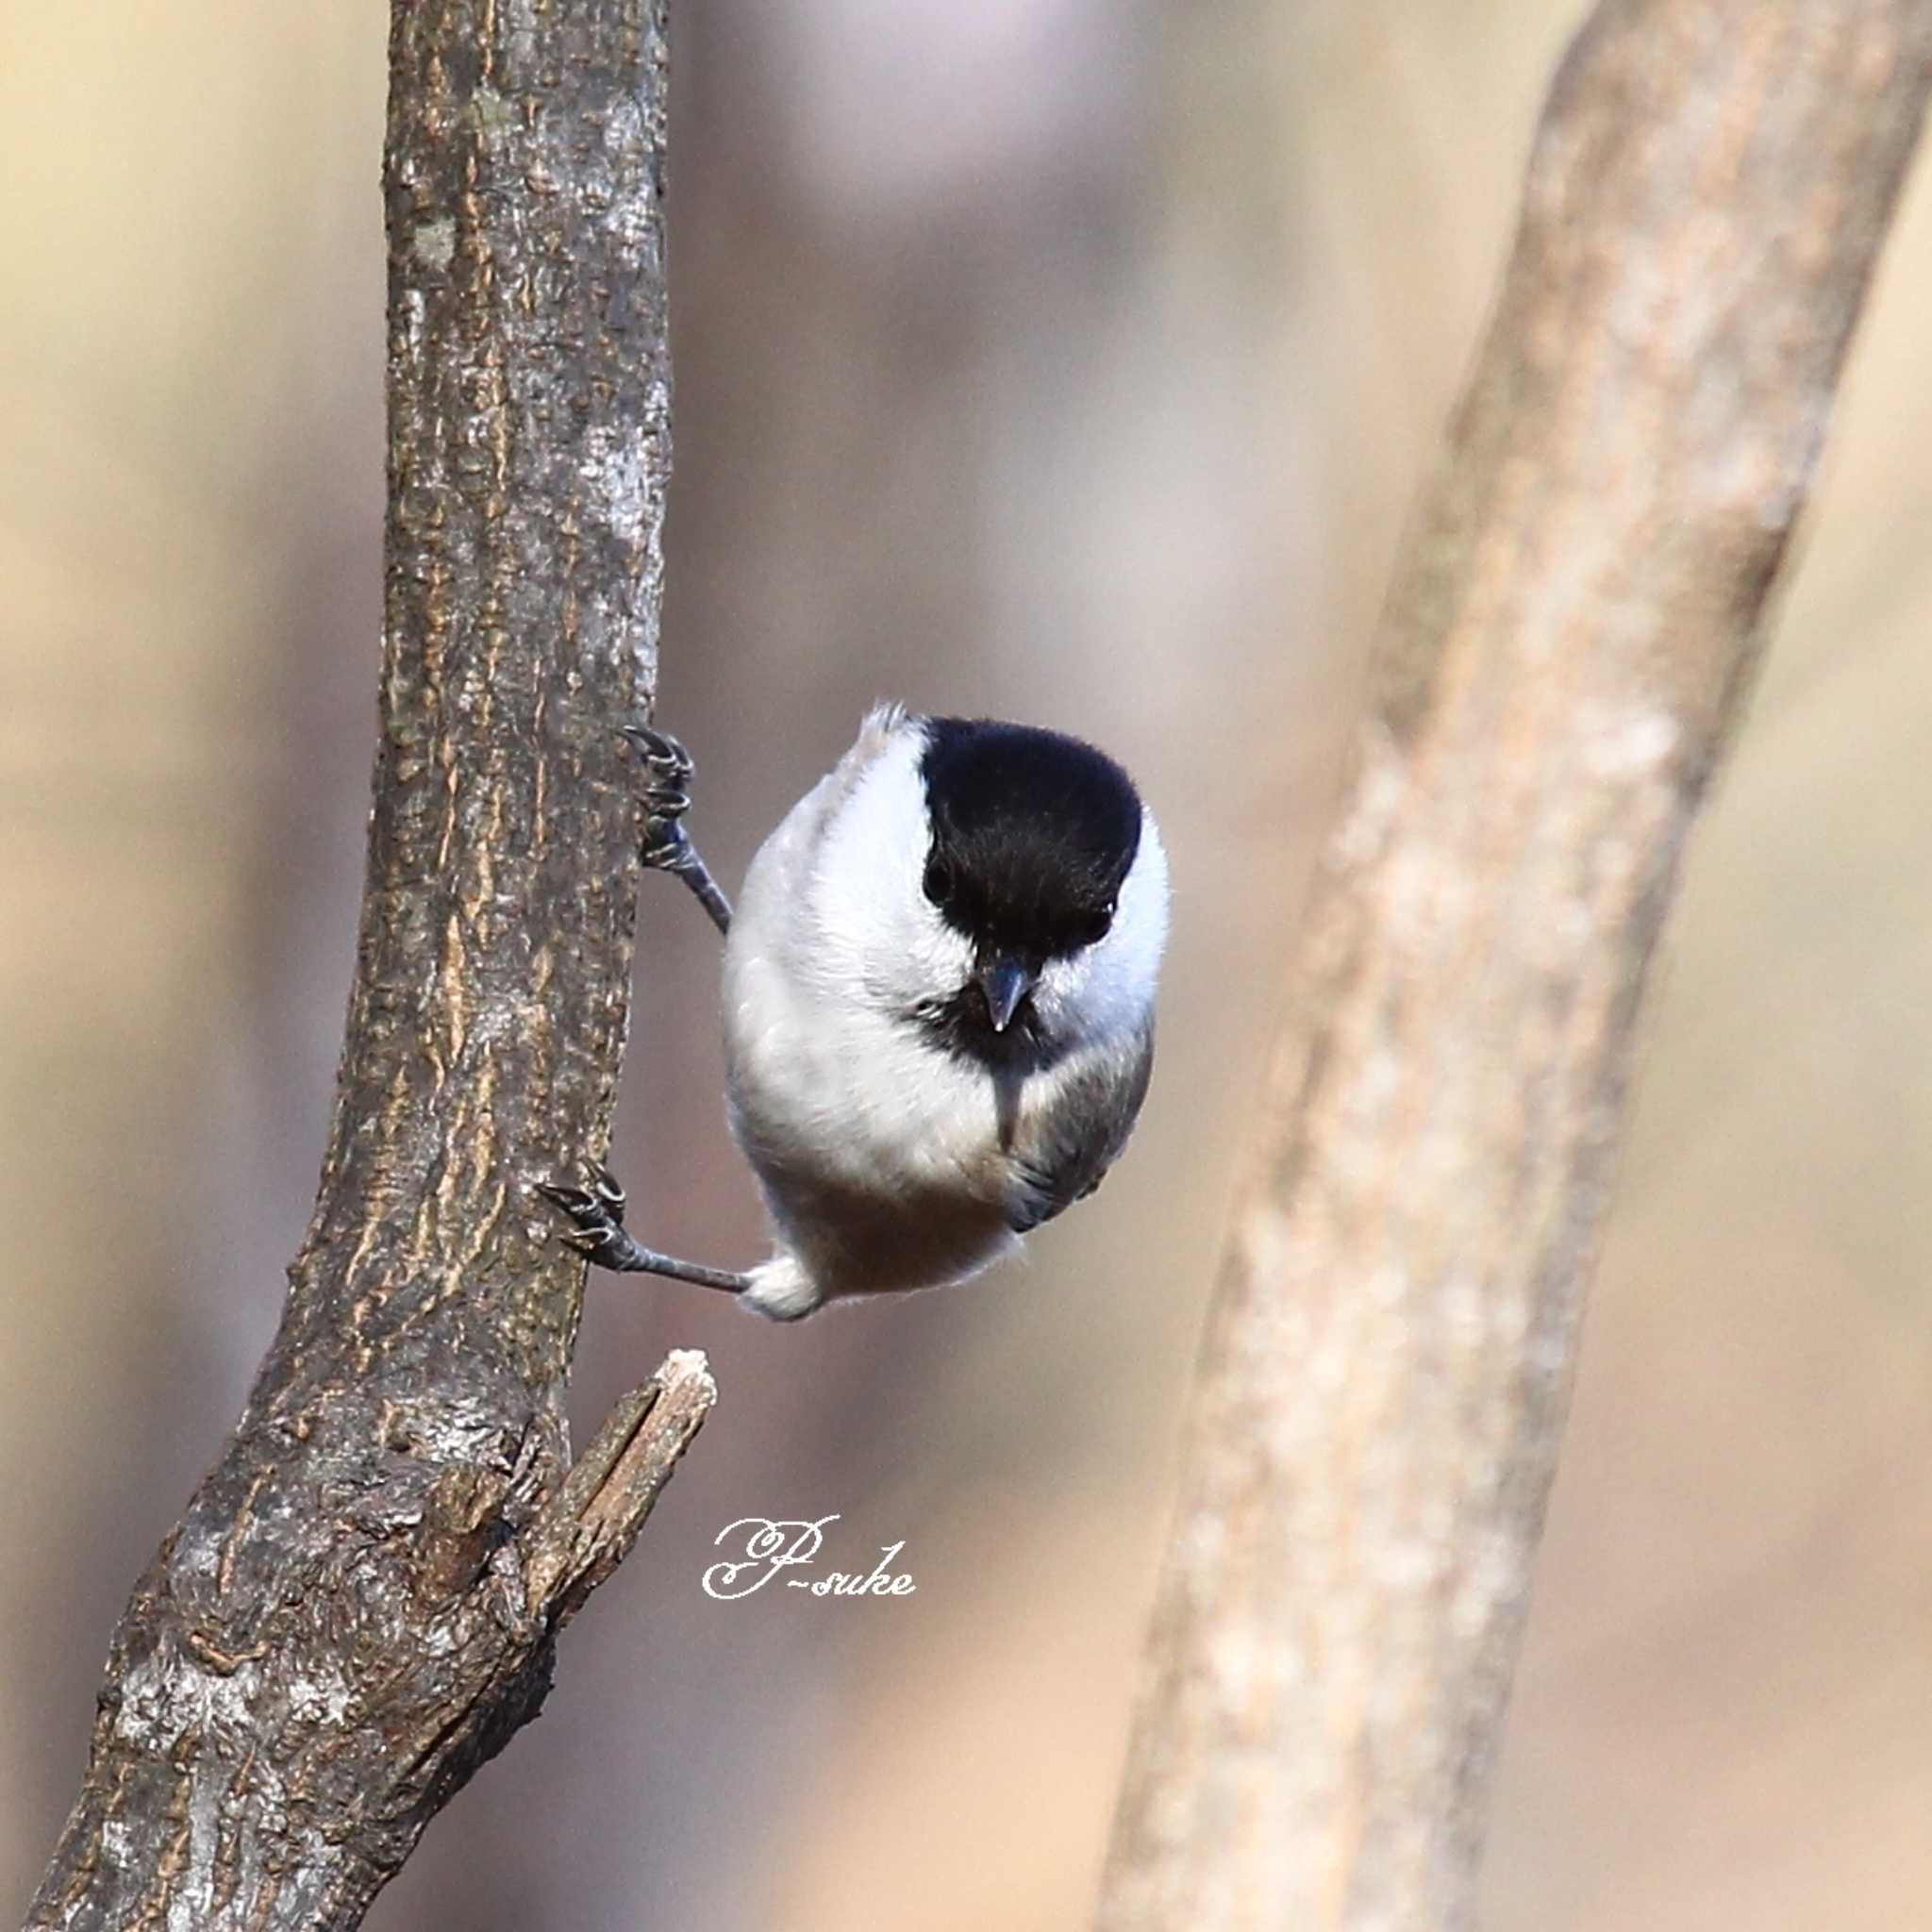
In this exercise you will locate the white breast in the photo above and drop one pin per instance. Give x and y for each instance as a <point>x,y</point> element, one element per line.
<point>878,1155</point>
<point>884,1159</point>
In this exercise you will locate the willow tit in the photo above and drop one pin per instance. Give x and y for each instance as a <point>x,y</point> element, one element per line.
<point>939,1003</point>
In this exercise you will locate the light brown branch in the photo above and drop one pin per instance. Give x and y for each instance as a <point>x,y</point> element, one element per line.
<point>1569,635</point>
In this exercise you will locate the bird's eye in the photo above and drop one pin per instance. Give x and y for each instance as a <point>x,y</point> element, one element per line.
<point>1097,926</point>
<point>939,880</point>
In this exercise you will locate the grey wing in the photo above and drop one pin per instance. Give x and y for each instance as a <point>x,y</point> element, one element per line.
<point>1069,1146</point>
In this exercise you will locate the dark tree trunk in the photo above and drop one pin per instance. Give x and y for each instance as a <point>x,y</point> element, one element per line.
<point>1572,627</point>
<point>360,1604</point>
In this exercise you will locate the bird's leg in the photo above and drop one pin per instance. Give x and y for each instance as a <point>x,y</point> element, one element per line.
<point>667,845</point>
<point>598,1231</point>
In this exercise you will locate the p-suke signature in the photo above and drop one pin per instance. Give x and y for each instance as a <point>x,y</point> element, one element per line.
<point>770,1546</point>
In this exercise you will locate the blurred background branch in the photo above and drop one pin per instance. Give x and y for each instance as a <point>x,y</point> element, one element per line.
<point>360,1604</point>
<point>1564,654</point>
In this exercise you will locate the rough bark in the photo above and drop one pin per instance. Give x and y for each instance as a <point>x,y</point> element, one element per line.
<point>1569,635</point>
<point>360,1604</point>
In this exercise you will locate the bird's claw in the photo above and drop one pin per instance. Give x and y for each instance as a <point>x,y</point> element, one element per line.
<point>668,769</point>
<point>669,760</point>
<point>596,1212</point>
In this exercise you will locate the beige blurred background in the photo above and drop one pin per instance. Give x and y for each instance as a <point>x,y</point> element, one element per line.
<point>1075,359</point>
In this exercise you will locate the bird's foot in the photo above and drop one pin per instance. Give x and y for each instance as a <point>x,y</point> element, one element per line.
<point>598,1233</point>
<point>596,1212</point>
<point>668,769</point>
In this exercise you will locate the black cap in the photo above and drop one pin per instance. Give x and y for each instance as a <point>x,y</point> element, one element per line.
<point>1032,834</point>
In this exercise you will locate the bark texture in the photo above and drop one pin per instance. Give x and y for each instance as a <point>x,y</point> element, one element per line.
<point>1571,632</point>
<point>360,1604</point>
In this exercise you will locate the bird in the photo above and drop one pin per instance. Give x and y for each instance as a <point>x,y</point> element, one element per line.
<point>939,1000</point>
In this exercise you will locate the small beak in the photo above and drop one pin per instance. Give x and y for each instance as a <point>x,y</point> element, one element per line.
<point>1005,982</point>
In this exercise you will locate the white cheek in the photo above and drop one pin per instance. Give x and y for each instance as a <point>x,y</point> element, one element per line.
<point>1109,987</point>
<point>1060,996</point>
<point>932,960</point>
<point>1140,930</point>
<point>878,937</point>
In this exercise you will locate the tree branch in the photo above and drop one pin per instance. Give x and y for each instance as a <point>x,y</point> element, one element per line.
<point>1571,632</point>
<point>359,1604</point>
